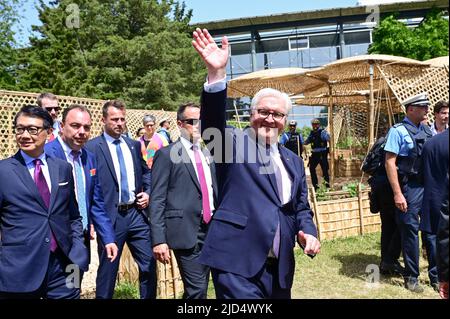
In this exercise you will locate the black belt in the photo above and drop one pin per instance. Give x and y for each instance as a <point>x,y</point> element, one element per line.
<point>125,207</point>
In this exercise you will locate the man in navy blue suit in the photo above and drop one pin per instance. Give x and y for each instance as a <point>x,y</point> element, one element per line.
<point>75,132</point>
<point>125,181</point>
<point>41,237</point>
<point>435,159</point>
<point>263,202</point>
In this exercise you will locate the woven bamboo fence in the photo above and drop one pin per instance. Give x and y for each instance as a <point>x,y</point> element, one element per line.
<point>343,217</point>
<point>12,101</point>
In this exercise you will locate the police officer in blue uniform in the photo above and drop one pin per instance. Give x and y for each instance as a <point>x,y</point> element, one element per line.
<point>403,167</point>
<point>318,138</point>
<point>293,140</point>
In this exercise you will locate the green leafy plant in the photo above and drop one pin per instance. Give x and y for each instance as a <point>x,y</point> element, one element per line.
<point>126,290</point>
<point>352,188</point>
<point>321,193</point>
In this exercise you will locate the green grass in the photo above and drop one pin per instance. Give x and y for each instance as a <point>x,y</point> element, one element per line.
<point>337,272</point>
<point>126,290</point>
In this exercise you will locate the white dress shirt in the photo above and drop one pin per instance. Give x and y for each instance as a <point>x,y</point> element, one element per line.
<point>128,158</point>
<point>69,157</point>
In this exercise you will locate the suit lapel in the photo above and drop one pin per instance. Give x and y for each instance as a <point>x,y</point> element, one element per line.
<point>53,170</point>
<point>264,170</point>
<point>188,164</point>
<point>135,163</point>
<point>21,170</point>
<point>87,174</point>
<point>105,150</point>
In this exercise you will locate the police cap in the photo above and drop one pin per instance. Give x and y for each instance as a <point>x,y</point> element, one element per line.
<point>420,99</point>
<point>315,121</point>
<point>293,123</point>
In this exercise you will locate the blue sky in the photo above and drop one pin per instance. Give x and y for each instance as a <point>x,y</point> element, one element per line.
<point>210,10</point>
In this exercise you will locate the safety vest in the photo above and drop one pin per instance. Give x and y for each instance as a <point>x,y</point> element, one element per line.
<point>316,139</point>
<point>294,142</point>
<point>410,167</point>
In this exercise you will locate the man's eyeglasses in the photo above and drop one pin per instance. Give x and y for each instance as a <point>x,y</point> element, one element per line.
<point>191,121</point>
<point>32,130</point>
<point>278,116</point>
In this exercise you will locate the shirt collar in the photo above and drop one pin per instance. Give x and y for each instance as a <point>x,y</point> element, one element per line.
<point>29,160</point>
<point>187,144</point>
<point>67,150</point>
<point>109,139</point>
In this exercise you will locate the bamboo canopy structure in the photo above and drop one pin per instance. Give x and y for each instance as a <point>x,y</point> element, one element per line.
<point>370,84</point>
<point>287,80</point>
<point>440,62</point>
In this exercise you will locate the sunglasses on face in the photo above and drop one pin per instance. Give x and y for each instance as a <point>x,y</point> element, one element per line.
<point>56,109</point>
<point>191,121</point>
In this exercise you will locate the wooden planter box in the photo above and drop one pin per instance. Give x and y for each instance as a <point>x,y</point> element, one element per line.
<point>347,167</point>
<point>344,217</point>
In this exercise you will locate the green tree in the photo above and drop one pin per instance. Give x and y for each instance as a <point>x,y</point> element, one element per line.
<point>136,50</point>
<point>428,40</point>
<point>8,17</point>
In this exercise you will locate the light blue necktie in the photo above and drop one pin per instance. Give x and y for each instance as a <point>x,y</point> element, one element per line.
<point>80,187</point>
<point>124,196</point>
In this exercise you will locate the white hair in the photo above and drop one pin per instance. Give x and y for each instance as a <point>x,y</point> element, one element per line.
<point>269,92</point>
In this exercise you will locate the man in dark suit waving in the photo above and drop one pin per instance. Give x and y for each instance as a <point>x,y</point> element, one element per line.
<point>41,239</point>
<point>125,182</point>
<point>263,202</point>
<point>69,146</point>
<point>184,194</point>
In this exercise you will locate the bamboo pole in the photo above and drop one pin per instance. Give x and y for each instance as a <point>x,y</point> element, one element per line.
<point>173,264</point>
<point>316,213</point>
<point>371,107</point>
<point>331,127</point>
<point>360,208</point>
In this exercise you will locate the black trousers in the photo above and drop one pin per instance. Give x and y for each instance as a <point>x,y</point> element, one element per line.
<point>319,158</point>
<point>195,276</point>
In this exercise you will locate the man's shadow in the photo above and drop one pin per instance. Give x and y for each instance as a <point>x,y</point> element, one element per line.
<point>361,266</point>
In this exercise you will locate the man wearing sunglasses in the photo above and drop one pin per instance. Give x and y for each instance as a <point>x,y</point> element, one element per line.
<point>49,102</point>
<point>263,200</point>
<point>184,196</point>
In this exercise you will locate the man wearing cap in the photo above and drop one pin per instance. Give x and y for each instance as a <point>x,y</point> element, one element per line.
<point>293,140</point>
<point>164,130</point>
<point>319,153</point>
<point>404,170</point>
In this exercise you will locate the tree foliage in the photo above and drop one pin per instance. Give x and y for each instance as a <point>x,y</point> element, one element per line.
<point>428,40</point>
<point>136,50</point>
<point>8,17</point>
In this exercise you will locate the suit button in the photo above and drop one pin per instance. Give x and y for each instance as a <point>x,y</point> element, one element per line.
<point>47,240</point>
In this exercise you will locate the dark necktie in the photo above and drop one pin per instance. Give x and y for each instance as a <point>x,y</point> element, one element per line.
<point>80,187</point>
<point>44,191</point>
<point>124,196</point>
<point>203,185</point>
